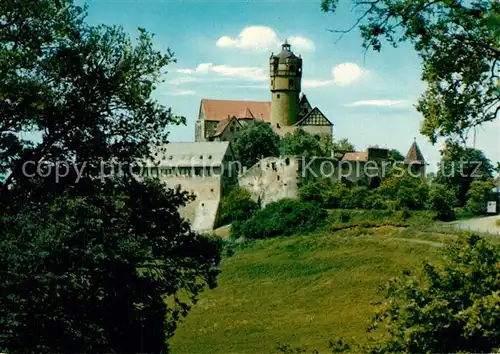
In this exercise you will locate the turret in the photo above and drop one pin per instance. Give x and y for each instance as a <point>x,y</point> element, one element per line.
<point>285,71</point>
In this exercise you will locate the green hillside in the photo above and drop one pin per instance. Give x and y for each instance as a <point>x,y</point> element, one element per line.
<point>301,290</point>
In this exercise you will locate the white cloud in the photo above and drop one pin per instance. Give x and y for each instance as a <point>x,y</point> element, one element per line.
<point>316,83</point>
<point>262,39</point>
<point>346,73</point>
<point>181,93</point>
<point>301,43</point>
<point>245,73</point>
<point>249,73</point>
<point>182,80</point>
<point>376,103</point>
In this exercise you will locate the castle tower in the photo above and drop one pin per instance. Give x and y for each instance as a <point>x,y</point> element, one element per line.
<point>285,71</point>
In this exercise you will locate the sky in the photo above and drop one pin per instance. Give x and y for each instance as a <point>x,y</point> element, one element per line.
<point>222,50</point>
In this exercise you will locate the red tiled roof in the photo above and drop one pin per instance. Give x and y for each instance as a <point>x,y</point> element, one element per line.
<point>217,110</point>
<point>356,156</point>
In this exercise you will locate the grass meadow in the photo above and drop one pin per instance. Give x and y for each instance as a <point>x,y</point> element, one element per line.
<point>304,290</point>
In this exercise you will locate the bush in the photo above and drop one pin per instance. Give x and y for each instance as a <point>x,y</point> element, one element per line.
<point>285,217</point>
<point>335,196</point>
<point>357,198</point>
<point>477,196</point>
<point>315,191</point>
<point>442,200</point>
<point>404,192</point>
<point>453,307</point>
<point>237,206</point>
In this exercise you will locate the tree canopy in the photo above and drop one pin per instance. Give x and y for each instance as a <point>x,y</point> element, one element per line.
<point>458,42</point>
<point>300,143</point>
<point>256,141</point>
<point>460,166</point>
<point>92,259</point>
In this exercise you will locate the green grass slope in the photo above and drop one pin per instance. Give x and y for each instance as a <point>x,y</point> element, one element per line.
<point>301,290</point>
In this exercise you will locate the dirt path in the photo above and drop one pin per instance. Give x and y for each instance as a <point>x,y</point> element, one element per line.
<point>485,225</point>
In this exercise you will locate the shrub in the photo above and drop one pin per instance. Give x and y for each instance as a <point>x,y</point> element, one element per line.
<point>315,191</point>
<point>237,206</point>
<point>335,196</point>
<point>358,197</point>
<point>442,200</point>
<point>477,196</point>
<point>284,217</point>
<point>404,191</point>
<point>452,307</point>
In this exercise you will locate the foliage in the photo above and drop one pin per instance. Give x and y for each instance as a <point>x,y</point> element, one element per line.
<point>442,200</point>
<point>450,308</point>
<point>343,145</point>
<point>98,268</point>
<point>395,155</point>
<point>460,166</point>
<point>237,206</point>
<point>326,145</point>
<point>300,143</point>
<point>281,218</point>
<point>256,141</point>
<point>87,260</point>
<point>404,191</point>
<point>458,44</point>
<point>477,196</point>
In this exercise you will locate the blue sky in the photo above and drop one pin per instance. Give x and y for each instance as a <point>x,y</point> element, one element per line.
<point>369,98</point>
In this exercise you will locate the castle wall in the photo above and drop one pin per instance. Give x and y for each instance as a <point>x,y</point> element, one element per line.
<point>208,191</point>
<point>272,179</point>
<point>276,178</point>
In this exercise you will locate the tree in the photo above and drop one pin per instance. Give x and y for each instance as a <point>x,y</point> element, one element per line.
<point>343,145</point>
<point>460,166</point>
<point>478,195</point>
<point>300,143</point>
<point>101,272</point>
<point>451,308</point>
<point>395,155</point>
<point>404,191</point>
<point>442,200</point>
<point>89,263</point>
<point>458,44</point>
<point>256,141</point>
<point>237,206</point>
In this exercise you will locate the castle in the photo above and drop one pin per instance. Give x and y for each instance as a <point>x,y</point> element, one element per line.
<point>205,167</point>
<point>222,120</point>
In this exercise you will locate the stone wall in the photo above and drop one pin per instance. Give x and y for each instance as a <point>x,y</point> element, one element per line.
<point>276,178</point>
<point>201,212</point>
<point>272,179</point>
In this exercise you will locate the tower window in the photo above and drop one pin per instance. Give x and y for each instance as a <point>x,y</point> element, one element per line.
<point>292,68</point>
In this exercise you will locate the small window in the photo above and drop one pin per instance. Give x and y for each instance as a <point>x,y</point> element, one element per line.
<point>278,177</point>
<point>278,95</point>
<point>287,161</point>
<point>292,68</point>
<point>232,129</point>
<point>290,82</point>
<point>201,157</point>
<point>317,137</point>
<point>209,157</point>
<point>211,190</point>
